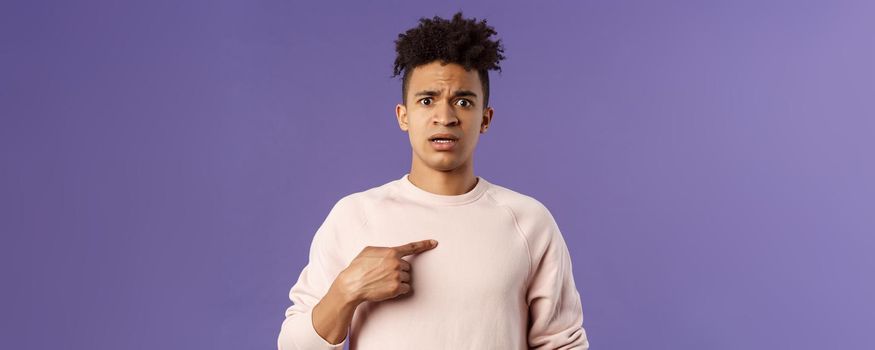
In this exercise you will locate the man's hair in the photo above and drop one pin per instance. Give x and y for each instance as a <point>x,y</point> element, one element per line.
<point>458,40</point>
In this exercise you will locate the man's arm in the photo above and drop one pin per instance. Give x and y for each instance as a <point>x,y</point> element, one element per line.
<point>332,316</point>
<point>555,312</point>
<point>327,293</point>
<point>320,315</point>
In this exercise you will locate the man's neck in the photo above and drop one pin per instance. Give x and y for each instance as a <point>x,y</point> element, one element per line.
<point>448,183</point>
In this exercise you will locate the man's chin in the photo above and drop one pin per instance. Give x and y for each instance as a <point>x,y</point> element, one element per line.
<point>441,161</point>
<point>445,164</point>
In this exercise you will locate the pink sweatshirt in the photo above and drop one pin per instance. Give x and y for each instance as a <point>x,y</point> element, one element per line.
<point>500,277</point>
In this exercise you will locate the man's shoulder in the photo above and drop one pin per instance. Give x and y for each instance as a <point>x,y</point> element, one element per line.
<point>351,210</point>
<point>530,215</point>
<point>366,197</point>
<point>520,203</point>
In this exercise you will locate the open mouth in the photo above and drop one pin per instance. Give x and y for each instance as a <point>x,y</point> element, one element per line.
<point>442,144</point>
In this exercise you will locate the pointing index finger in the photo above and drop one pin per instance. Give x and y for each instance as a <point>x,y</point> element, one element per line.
<point>415,247</point>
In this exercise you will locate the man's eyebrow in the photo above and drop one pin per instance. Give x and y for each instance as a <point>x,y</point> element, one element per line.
<point>458,93</point>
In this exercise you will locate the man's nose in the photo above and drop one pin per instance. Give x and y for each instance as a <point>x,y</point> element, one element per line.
<point>445,114</point>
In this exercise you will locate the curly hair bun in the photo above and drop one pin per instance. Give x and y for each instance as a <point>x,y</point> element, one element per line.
<point>458,40</point>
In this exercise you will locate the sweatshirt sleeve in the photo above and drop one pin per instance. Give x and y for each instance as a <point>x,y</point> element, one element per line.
<point>297,331</point>
<point>555,312</point>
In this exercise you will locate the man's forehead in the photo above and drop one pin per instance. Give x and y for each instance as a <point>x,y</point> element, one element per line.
<point>449,77</point>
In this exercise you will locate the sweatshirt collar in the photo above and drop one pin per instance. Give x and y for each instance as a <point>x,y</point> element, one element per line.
<point>410,190</point>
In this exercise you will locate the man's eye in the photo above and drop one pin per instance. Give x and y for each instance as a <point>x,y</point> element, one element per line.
<point>426,101</point>
<point>464,103</point>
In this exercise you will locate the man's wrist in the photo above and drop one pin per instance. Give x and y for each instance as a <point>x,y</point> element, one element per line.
<point>343,295</point>
<point>332,316</point>
<point>343,299</point>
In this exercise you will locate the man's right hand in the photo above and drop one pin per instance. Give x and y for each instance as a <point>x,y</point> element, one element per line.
<point>379,273</point>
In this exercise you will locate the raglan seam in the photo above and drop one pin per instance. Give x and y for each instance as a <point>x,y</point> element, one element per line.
<point>519,232</point>
<point>361,212</point>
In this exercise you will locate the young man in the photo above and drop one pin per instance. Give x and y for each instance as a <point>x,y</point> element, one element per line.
<point>500,276</point>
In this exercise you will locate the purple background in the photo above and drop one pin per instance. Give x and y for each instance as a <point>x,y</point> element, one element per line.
<point>166,163</point>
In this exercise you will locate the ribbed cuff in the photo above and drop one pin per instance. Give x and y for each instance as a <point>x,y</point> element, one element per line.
<point>300,330</point>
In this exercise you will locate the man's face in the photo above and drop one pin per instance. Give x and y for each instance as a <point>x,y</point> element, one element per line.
<point>443,99</point>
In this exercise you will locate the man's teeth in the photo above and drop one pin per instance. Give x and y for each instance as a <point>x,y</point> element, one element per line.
<point>442,141</point>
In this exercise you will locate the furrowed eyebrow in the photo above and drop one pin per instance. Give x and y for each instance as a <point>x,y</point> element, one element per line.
<point>458,93</point>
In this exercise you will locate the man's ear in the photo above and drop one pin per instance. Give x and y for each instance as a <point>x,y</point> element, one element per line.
<point>487,119</point>
<point>401,114</point>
